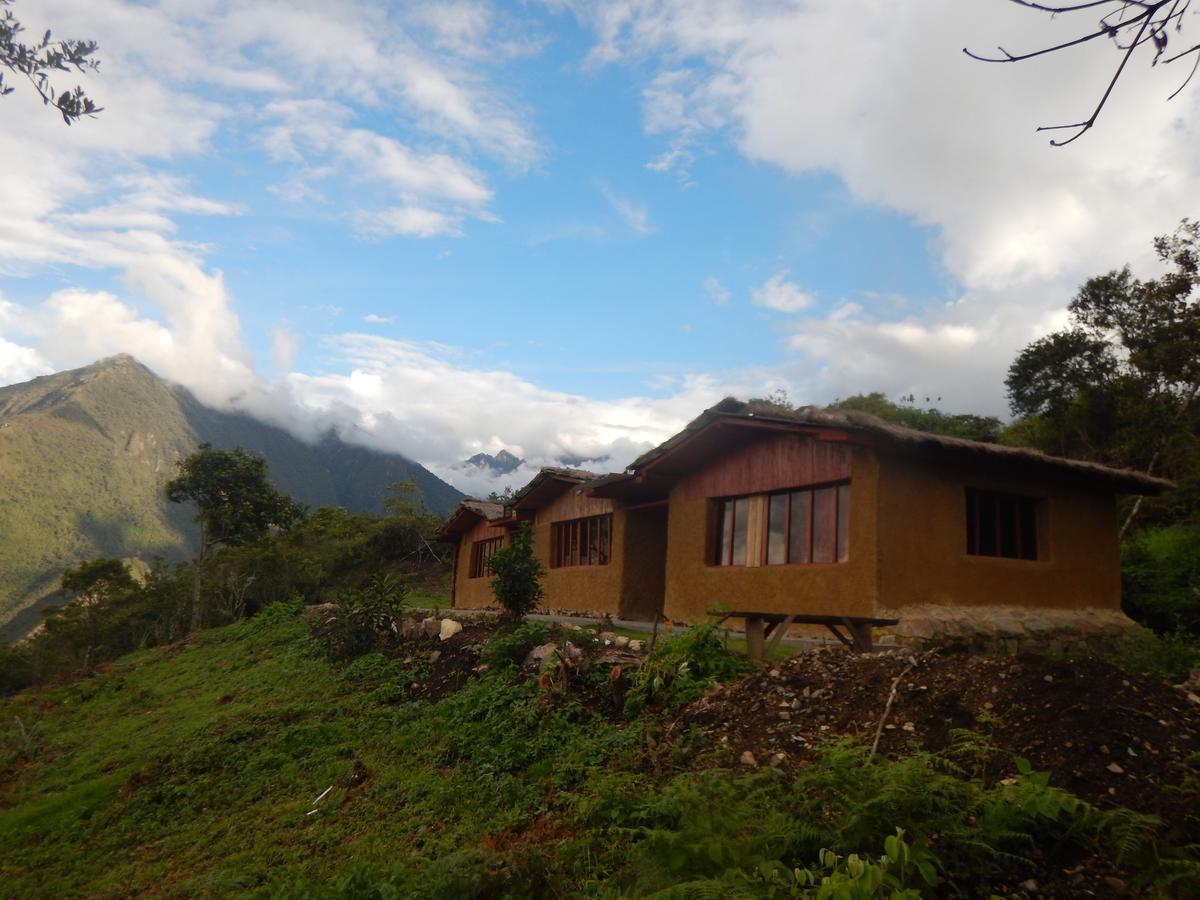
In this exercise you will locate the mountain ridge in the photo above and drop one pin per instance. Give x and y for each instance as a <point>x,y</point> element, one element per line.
<point>84,454</point>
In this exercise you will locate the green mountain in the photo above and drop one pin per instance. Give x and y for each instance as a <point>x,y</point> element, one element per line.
<point>84,455</point>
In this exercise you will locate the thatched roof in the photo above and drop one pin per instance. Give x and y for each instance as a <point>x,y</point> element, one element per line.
<point>468,512</point>
<point>546,476</point>
<point>889,436</point>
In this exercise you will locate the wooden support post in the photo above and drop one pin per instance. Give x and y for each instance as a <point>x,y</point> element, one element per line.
<point>837,634</point>
<point>755,638</point>
<point>775,634</point>
<point>860,632</point>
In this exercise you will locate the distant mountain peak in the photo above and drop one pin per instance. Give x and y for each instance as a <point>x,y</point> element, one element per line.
<point>502,463</point>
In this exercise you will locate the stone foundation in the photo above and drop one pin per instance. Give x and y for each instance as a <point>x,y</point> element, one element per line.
<point>1010,629</point>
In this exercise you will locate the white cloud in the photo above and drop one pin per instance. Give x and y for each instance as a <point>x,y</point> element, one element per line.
<point>782,295</point>
<point>635,216</point>
<point>376,319</point>
<point>881,96</point>
<point>717,292</point>
<point>407,221</point>
<point>284,343</point>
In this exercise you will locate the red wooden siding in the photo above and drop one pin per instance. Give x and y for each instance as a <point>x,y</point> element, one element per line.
<point>770,464</point>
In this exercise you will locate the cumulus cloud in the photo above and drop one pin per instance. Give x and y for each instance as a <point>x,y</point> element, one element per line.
<point>944,140</point>
<point>781,295</point>
<point>376,319</point>
<point>422,398</point>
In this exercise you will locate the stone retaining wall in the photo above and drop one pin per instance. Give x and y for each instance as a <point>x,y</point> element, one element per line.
<point>1010,629</point>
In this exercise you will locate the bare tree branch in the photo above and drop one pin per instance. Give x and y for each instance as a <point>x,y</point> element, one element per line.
<point>1130,24</point>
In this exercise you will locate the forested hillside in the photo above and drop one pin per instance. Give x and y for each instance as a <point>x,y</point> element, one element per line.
<point>84,455</point>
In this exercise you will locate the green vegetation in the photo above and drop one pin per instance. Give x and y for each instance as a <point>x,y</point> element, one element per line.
<point>87,452</point>
<point>235,502</point>
<point>367,565</point>
<point>931,419</point>
<point>202,768</point>
<point>518,581</point>
<point>1121,386</point>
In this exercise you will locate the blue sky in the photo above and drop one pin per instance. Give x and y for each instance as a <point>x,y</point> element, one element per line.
<point>564,228</point>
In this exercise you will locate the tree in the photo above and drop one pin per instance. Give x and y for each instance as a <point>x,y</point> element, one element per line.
<point>933,420</point>
<point>1130,25</point>
<point>96,580</point>
<point>1120,384</point>
<point>38,60</point>
<point>235,503</point>
<point>518,583</point>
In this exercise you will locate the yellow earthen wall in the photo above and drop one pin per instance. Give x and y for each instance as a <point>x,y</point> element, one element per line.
<point>582,589</point>
<point>922,543</point>
<point>693,585</point>
<point>473,593</point>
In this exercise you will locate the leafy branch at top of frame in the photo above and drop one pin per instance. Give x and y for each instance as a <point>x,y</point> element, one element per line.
<point>1130,24</point>
<point>37,61</point>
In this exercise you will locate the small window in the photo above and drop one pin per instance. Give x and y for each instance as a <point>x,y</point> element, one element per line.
<point>1001,525</point>
<point>581,542</point>
<point>481,552</point>
<point>809,526</point>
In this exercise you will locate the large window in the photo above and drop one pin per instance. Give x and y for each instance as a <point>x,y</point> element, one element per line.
<point>481,552</point>
<point>808,526</point>
<point>799,527</point>
<point>1001,525</point>
<point>581,542</point>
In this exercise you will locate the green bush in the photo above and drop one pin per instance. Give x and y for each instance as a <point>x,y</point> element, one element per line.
<point>1171,656</point>
<point>683,668</point>
<point>518,582</point>
<point>1160,577</point>
<point>509,648</point>
<point>362,621</point>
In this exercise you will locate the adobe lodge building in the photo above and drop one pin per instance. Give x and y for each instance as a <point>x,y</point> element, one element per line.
<point>821,513</point>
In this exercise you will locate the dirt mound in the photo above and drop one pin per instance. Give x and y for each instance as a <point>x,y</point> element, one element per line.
<point>1109,737</point>
<point>452,662</point>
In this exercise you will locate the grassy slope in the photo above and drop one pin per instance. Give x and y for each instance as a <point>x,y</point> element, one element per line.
<point>189,770</point>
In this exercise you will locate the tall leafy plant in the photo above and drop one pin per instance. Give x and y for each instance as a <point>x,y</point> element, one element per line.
<point>518,582</point>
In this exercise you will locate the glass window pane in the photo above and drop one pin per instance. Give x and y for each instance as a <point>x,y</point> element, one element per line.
<point>1007,512</point>
<point>725,534</point>
<point>605,537</point>
<point>843,522</point>
<point>777,530</point>
<point>824,542</point>
<point>1028,528</point>
<point>798,542</point>
<point>972,522</point>
<point>741,517</point>
<point>988,520</point>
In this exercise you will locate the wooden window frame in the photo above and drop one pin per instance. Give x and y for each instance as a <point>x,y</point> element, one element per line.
<point>1024,510</point>
<point>840,547</point>
<point>721,531</point>
<point>586,541</point>
<point>481,552</point>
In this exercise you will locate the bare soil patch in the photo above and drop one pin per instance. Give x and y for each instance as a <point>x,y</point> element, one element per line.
<point>1109,737</point>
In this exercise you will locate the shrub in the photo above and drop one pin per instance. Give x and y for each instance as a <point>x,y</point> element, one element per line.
<point>1160,577</point>
<point>1170,656</point>
<point>363,620</point>
<point>510,648</point>
<point>683,668</point>
<point>518,582</point>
